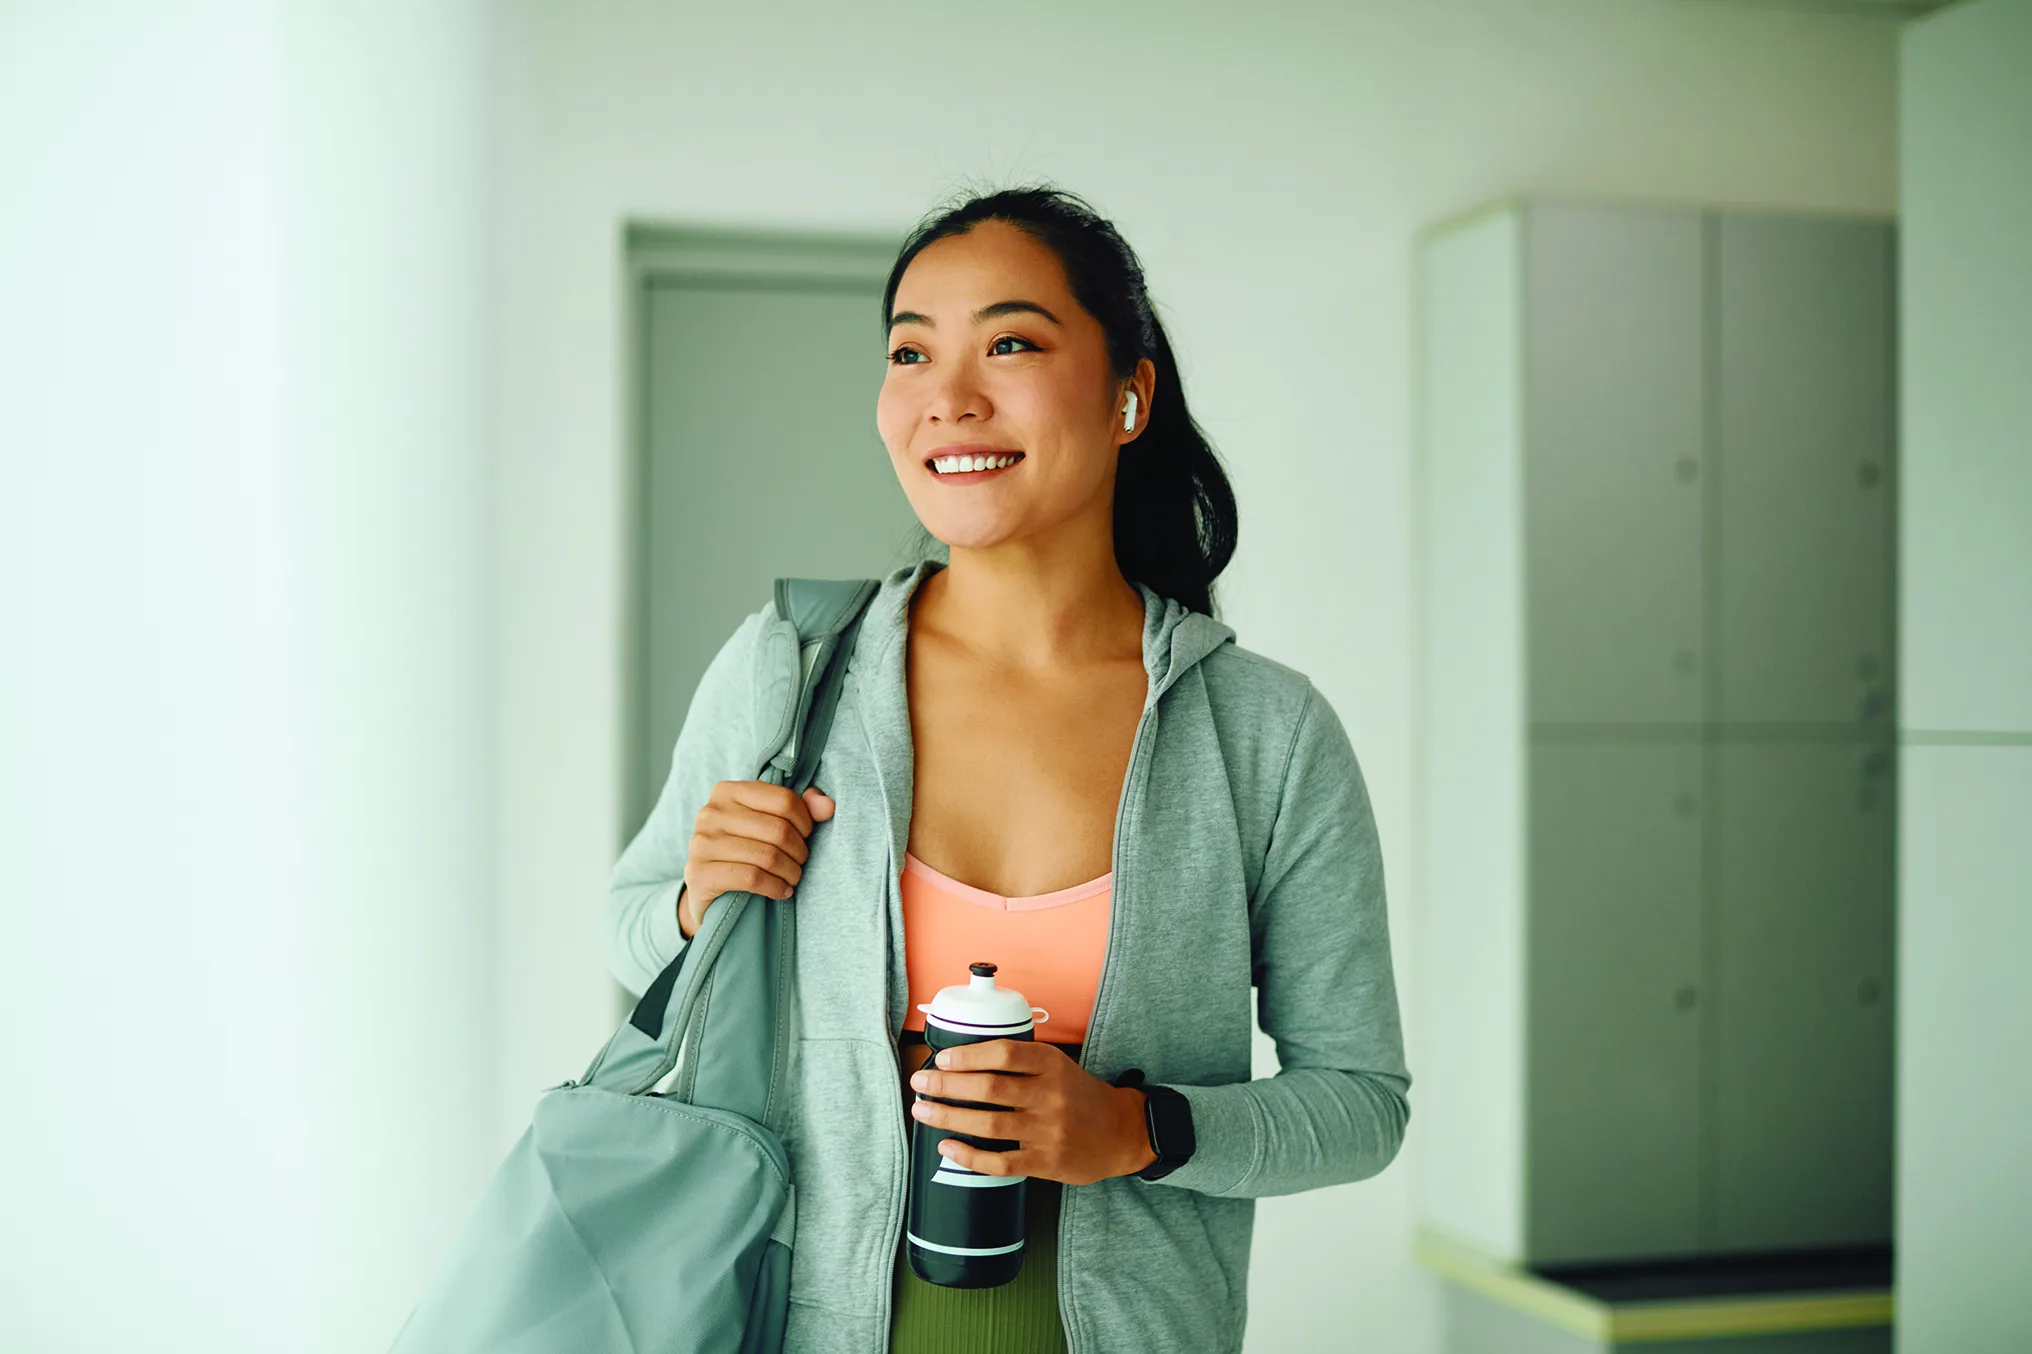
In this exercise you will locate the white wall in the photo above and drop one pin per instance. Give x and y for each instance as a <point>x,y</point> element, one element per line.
<point>1965,1026</point>
<point>245,957</point>
<point>1272,170</point>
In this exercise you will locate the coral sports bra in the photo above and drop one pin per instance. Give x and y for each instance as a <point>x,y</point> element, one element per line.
<point>1048,946</point>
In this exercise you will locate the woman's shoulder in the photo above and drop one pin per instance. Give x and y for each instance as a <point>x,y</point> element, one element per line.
<point>749,690</point>
<point>743,698</point>
<point>1274,723</point>
<point>1248,686</point>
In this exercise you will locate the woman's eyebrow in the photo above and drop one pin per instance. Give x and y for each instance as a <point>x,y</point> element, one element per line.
<point>987,312</point>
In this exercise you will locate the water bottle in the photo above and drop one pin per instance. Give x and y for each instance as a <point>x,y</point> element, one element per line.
<point>965,1228</point>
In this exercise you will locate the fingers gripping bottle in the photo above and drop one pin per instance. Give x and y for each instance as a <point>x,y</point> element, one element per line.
<point>965,1228</point>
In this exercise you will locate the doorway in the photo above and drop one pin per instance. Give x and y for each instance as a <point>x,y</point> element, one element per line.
<point>757,358</point>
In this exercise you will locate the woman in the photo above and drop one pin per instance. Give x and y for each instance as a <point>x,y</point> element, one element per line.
<point>1050,754</point>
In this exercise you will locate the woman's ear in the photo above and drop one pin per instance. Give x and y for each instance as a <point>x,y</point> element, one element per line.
<point>1135,407</point>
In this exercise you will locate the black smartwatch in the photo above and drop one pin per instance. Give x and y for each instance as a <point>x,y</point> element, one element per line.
<point>1167,1115</point>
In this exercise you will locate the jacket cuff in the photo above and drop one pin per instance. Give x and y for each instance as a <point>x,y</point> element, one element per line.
<point>1226,1139</point>
<point>666,938</point>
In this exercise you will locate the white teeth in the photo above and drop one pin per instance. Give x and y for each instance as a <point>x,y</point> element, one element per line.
<point>949,465</point>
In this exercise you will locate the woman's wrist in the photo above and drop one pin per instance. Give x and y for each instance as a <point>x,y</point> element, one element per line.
<point>1134,1132</point>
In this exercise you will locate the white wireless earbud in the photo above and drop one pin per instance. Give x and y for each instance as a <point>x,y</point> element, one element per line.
<point>1129,413</point>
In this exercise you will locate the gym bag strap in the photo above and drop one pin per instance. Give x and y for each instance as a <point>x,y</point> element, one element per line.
<point>632,1220</point>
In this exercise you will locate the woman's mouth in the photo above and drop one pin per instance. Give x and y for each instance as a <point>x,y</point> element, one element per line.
<point>969,467</point>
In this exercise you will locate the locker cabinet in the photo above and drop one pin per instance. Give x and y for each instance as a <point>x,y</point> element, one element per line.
<point>1658,467</point>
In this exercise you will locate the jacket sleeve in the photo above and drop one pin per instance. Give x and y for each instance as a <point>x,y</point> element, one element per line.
<point>714,744</point>
<point>1326,993</point>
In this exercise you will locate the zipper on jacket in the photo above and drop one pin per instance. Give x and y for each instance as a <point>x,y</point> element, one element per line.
<point>900,1156</point>
<point>1121,812</point>
<point>1073,1342</point>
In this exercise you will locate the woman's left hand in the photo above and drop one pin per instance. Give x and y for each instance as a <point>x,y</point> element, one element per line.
<point>1071,1125</point>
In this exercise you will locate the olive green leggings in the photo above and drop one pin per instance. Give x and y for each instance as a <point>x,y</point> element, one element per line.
<point>1018,1317</point>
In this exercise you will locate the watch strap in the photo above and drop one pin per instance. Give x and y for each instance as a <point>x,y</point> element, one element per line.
<point>1167,1117</point>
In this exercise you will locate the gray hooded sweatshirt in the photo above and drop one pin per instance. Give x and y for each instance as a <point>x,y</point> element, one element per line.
<point>1245,854</point>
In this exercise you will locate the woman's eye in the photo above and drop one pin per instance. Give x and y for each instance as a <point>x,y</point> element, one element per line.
<point>911,357</point>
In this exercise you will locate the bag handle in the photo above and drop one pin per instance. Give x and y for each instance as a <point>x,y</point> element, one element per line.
<point>826,614</point>
<point>727,996</point>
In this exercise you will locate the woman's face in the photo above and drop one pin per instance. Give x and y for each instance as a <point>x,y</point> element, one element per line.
<point>989,354</point>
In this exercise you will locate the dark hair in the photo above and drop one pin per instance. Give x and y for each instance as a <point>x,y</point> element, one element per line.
<point>1174,509</point>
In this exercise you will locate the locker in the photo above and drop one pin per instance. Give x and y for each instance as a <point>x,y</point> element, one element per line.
<point>1613,419</point>
<point>1803,380</point>
<point>1804,944</point>
<point>1612,1003</point>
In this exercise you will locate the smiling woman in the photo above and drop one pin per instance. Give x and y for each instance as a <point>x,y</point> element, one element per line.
<point>1033,414</point>
<point>1064,766</point>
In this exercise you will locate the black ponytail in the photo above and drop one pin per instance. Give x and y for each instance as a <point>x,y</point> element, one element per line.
<point>1174,509</point>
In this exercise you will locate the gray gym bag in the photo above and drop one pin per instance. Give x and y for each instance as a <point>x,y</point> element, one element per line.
<point>632,1221</point>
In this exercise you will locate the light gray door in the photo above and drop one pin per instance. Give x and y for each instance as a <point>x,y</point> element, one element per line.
<point>760,456</point>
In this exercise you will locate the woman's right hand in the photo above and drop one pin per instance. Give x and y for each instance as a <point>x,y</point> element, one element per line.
<point>750,838</point>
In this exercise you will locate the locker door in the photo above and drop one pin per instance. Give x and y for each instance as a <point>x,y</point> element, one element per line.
<point>1613,1040</point>
<point>1804,426</point>
<point>1803,947</point>
<point>1613,414</point>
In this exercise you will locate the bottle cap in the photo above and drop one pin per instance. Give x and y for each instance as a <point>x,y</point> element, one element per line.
<point>979,1008</point>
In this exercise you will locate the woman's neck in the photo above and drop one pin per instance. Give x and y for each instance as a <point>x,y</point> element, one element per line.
<point>1015,614</point>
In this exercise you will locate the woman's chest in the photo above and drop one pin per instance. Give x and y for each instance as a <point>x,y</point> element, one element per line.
<point>1017,780</point>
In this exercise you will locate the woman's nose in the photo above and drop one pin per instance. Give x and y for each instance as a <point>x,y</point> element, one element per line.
<point>958,396</point>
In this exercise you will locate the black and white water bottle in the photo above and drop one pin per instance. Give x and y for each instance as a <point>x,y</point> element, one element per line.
<point>965,1228</point>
